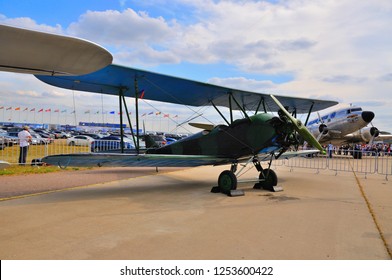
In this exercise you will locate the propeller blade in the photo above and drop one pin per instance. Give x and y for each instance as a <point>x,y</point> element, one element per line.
<point>302,130</point>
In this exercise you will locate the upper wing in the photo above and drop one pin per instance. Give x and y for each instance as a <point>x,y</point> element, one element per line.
<point>33,52</point>
<point>114,78</point>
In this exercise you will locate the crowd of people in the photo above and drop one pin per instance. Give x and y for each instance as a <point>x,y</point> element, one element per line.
<point>380,149</point>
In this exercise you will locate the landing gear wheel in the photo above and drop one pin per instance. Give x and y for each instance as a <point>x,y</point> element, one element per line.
<point>227,181</point>
<point>270,180</point>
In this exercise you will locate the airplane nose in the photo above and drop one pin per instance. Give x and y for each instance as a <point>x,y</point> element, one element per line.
<point>367,116</point>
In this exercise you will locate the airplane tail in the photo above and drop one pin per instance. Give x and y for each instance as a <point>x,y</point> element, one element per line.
<point>150,143</point>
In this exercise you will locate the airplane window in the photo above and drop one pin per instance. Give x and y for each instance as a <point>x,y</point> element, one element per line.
<point>333,115</point>
<point>356,109</point>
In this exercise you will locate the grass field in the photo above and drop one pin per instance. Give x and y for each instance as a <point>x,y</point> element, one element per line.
<point>11,155</point>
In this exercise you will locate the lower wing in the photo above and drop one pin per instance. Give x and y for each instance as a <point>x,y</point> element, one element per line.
<point>151,160</point>
<point>132,160</point>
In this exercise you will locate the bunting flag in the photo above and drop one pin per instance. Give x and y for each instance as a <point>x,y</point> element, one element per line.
<point>63,111</point>
<point>32,110</point>
<point>48,110</point>
<point>166,115</point>
<point>41,110</point>
<point>151,113</point>
<point>97,112</point>
<point>157,113</point>
<point>57,111</point>
<point>176,116</point>
<point>2,107</point>
<point>87,112</point>
<point>73,112</point>
<point>112,112</point>
<point>9,108</point>
<point>17,109</point>
<point>142,115</point>
<point>25,109</point>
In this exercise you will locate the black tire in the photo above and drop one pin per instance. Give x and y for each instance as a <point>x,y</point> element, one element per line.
<point>270,180</point>
<point>72,143</point>
<point>227,181</point>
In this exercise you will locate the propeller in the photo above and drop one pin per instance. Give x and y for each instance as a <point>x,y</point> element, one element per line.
<point>299,127</point>
<point>374,132</point>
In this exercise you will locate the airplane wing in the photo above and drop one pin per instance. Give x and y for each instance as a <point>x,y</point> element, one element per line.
<point>152,160</point>
<point>114,78</point>
<point>4,164</point>
<point>132,160</point>
<point>383,137</point>
<point>33,52</point>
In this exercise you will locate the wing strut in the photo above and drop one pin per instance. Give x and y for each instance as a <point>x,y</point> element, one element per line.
<point>120,95</point>
<point>137,115</point>
<point>129,121</point>
<point>310,111</point>
<point>239,106</point>
<point>262,101</point>
<point>219,112</point>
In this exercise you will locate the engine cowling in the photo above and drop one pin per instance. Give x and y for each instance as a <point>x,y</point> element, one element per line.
<point>369,133</point>
<point>374,131</point>
<point>323,129</point>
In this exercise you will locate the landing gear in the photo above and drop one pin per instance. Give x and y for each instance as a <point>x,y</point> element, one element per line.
<point>267,177</point>
<point>268,180</point>
<point>227,181</point>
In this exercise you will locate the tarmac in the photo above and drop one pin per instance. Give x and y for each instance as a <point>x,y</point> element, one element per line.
<point>139,214</point>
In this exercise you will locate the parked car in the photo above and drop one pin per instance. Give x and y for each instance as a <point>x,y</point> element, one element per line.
<point>110,143</point>
<point>36,139</point>
<point>170,140</point>
<point>61,134</point>
<point>93,135</point>
<point>80,140</point>
<point>7,140</point>
<point>47,137</point>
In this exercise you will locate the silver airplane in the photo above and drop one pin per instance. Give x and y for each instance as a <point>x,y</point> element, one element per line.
<point>343,126</point>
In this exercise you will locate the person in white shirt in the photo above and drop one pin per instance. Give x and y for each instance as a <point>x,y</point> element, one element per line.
<point>24,142</point>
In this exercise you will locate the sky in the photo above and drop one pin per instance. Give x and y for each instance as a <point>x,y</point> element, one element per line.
<point>334,50</point>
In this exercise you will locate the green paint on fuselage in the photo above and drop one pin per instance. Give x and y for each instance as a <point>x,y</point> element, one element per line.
<point>243,137</point>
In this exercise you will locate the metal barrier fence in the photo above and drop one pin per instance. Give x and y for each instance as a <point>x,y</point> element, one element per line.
<point>364,163</point>
<point>37,151</point>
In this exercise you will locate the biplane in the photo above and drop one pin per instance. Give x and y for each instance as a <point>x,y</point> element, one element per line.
<point>258,136</point>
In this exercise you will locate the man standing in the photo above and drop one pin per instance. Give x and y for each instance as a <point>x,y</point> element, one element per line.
<point>330,150</point>
<point>24,142</point>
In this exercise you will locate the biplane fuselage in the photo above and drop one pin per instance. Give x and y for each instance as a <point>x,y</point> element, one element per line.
<point>244,137</point>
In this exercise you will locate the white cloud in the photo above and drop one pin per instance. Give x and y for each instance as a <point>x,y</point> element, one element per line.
<point>28,23</point>
<point>338,50</point>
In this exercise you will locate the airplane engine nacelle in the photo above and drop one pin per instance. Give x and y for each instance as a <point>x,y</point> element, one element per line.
<point>368,133</point>
<point>374,131</point>
<point>323,129</point>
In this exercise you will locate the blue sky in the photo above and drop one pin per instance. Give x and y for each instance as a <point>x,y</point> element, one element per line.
<point>336,50</point>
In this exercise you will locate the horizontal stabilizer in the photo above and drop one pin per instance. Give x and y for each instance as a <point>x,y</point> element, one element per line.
<point>204,126</point>
<point>4,164</point>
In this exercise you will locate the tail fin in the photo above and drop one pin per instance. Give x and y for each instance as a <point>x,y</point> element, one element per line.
<point>150,143</point>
